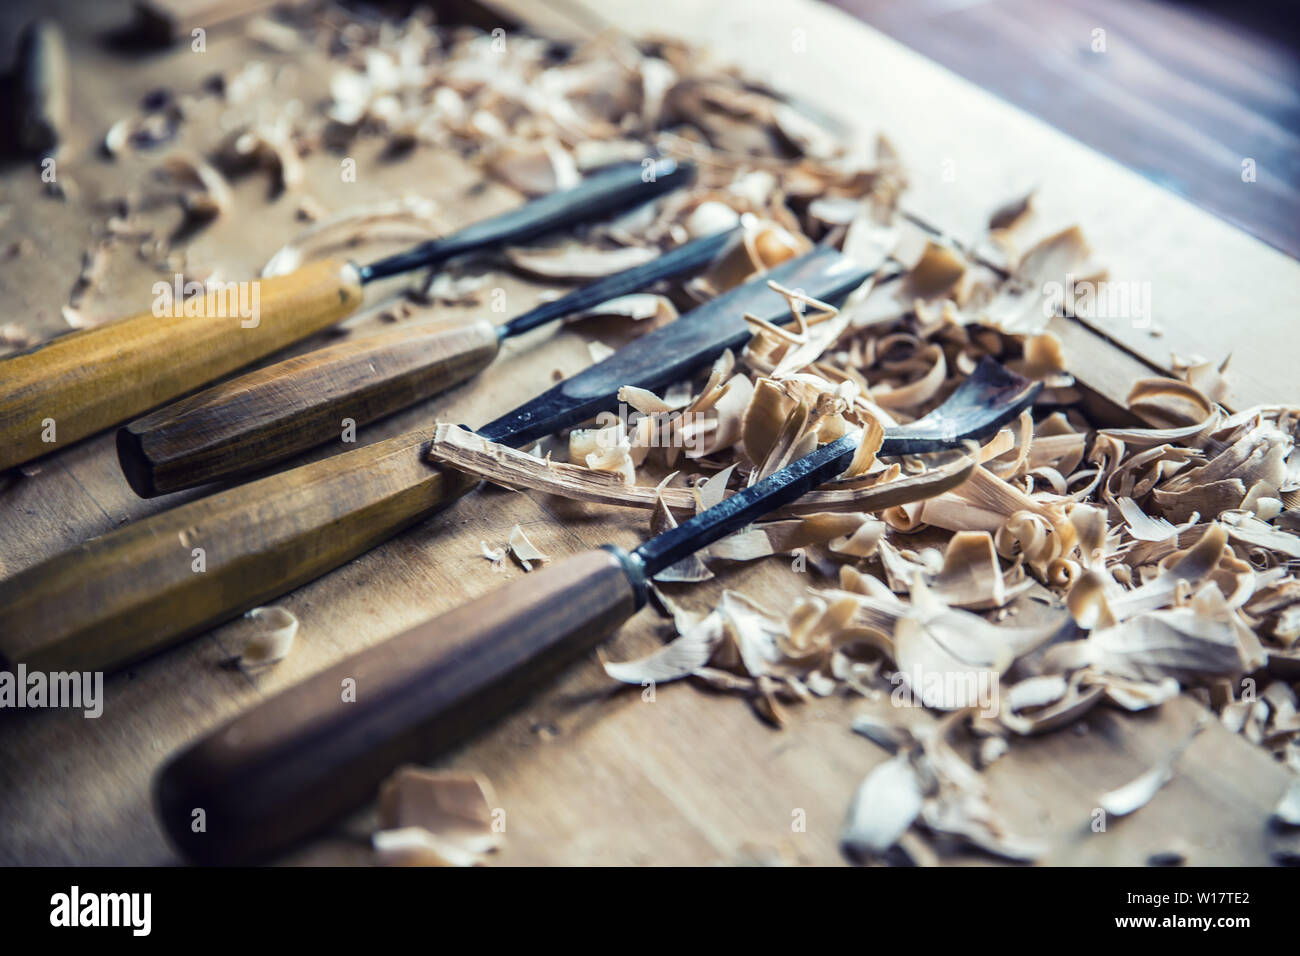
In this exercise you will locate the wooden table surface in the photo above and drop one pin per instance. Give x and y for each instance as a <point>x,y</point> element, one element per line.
<point>1181,92</point>
<point>589,773</point>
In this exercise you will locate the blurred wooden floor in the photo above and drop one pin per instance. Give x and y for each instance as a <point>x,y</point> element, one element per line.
<point>1183,93</point>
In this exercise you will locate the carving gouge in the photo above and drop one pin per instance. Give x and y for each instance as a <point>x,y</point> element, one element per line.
<point>154,582</point>
<point>86,381</point>
<point>267,416</point>
<point>288,766</point>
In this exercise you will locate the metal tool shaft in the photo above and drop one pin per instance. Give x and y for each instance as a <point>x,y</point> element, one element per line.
<point>733,513</point>
<point>613,189</point>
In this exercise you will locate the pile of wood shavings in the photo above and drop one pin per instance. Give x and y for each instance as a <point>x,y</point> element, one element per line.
<point>532,116</point>
<point>1166,553</point>
<point>1169,552</point>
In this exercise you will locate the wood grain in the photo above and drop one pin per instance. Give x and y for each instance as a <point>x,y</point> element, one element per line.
<point>1132,79</point>
<point>93,379</point>
<point>142,587</point>
<point>266,416</point>
<point>294,763</point>
<point>590,773</point>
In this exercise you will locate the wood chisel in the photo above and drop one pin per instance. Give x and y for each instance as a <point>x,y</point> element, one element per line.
<point>151,583</point>
<point>291,764</point>
<point>266,416</point>
<point>83,382</point>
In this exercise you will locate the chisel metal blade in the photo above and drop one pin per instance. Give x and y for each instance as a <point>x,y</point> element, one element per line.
<point>742,508</point>
<point>673,352</point>
<point>987,399</point>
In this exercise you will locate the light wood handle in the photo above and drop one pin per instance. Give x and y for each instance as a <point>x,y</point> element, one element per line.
<point>290,765</point>
<point>151,583</point>
<point>269,415</point>
<point>86,381</point>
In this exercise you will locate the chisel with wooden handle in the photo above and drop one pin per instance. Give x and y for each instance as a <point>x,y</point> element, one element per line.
<point>83,382</point>
<point>151,583</point>
<point>287,767</point>
<point>266,416</point>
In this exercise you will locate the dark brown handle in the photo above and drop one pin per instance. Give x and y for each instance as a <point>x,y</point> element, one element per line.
<point>269,415</point>
<point>151,583</point>
<point>41,82</point>
<point>290,765</point>
<point>84,382</point>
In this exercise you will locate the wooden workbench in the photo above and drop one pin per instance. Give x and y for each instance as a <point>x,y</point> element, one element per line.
<point>589,772</point>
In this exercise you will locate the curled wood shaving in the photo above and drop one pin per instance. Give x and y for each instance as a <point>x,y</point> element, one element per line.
<point>205,194</point>
<point>655,310</point>
<point>525,551</point>
<point>950,657</point>
<point>1138,792</point>
<point>510,468</point>
<point>1041,711</point>
<point>1287,811</point>
<point>579,262</point>
<point>410,219</point>
<point>273,643</point>
<point>884,806</point>
<point>682,657</point>
<point>497,556</point>
<point>536,169</point>
<point>266,146</point>
<point>436,818</point>
<point>930,784</point>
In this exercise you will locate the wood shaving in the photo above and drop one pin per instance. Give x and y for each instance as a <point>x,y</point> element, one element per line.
<point>406,220</point>
<point>436,818</point>
<point>655,310</point>
<point>525,551</point>
<point>273,643</point>
<point>686,655</point>
<point>536,169</point>
<point>14,336</point>
<point>1138,792</point>
<point>1287,811</point>
<point>579,262</point>
<point>267,146</point>
<point>497,556</point>
<point>205,194</point>
<point>510,468</point>
<point>884,806</point>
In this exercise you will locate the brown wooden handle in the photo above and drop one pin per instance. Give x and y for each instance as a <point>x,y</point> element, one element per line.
<point>151,583</point>
<point>269,415</point>
<point>84,382</point>
<point>290,765</point>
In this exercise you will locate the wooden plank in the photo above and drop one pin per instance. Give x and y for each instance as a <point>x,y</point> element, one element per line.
<point>1135,80</point>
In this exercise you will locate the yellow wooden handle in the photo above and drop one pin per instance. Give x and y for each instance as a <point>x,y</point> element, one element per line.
<point>87,381</point>
<point>151,583</point>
